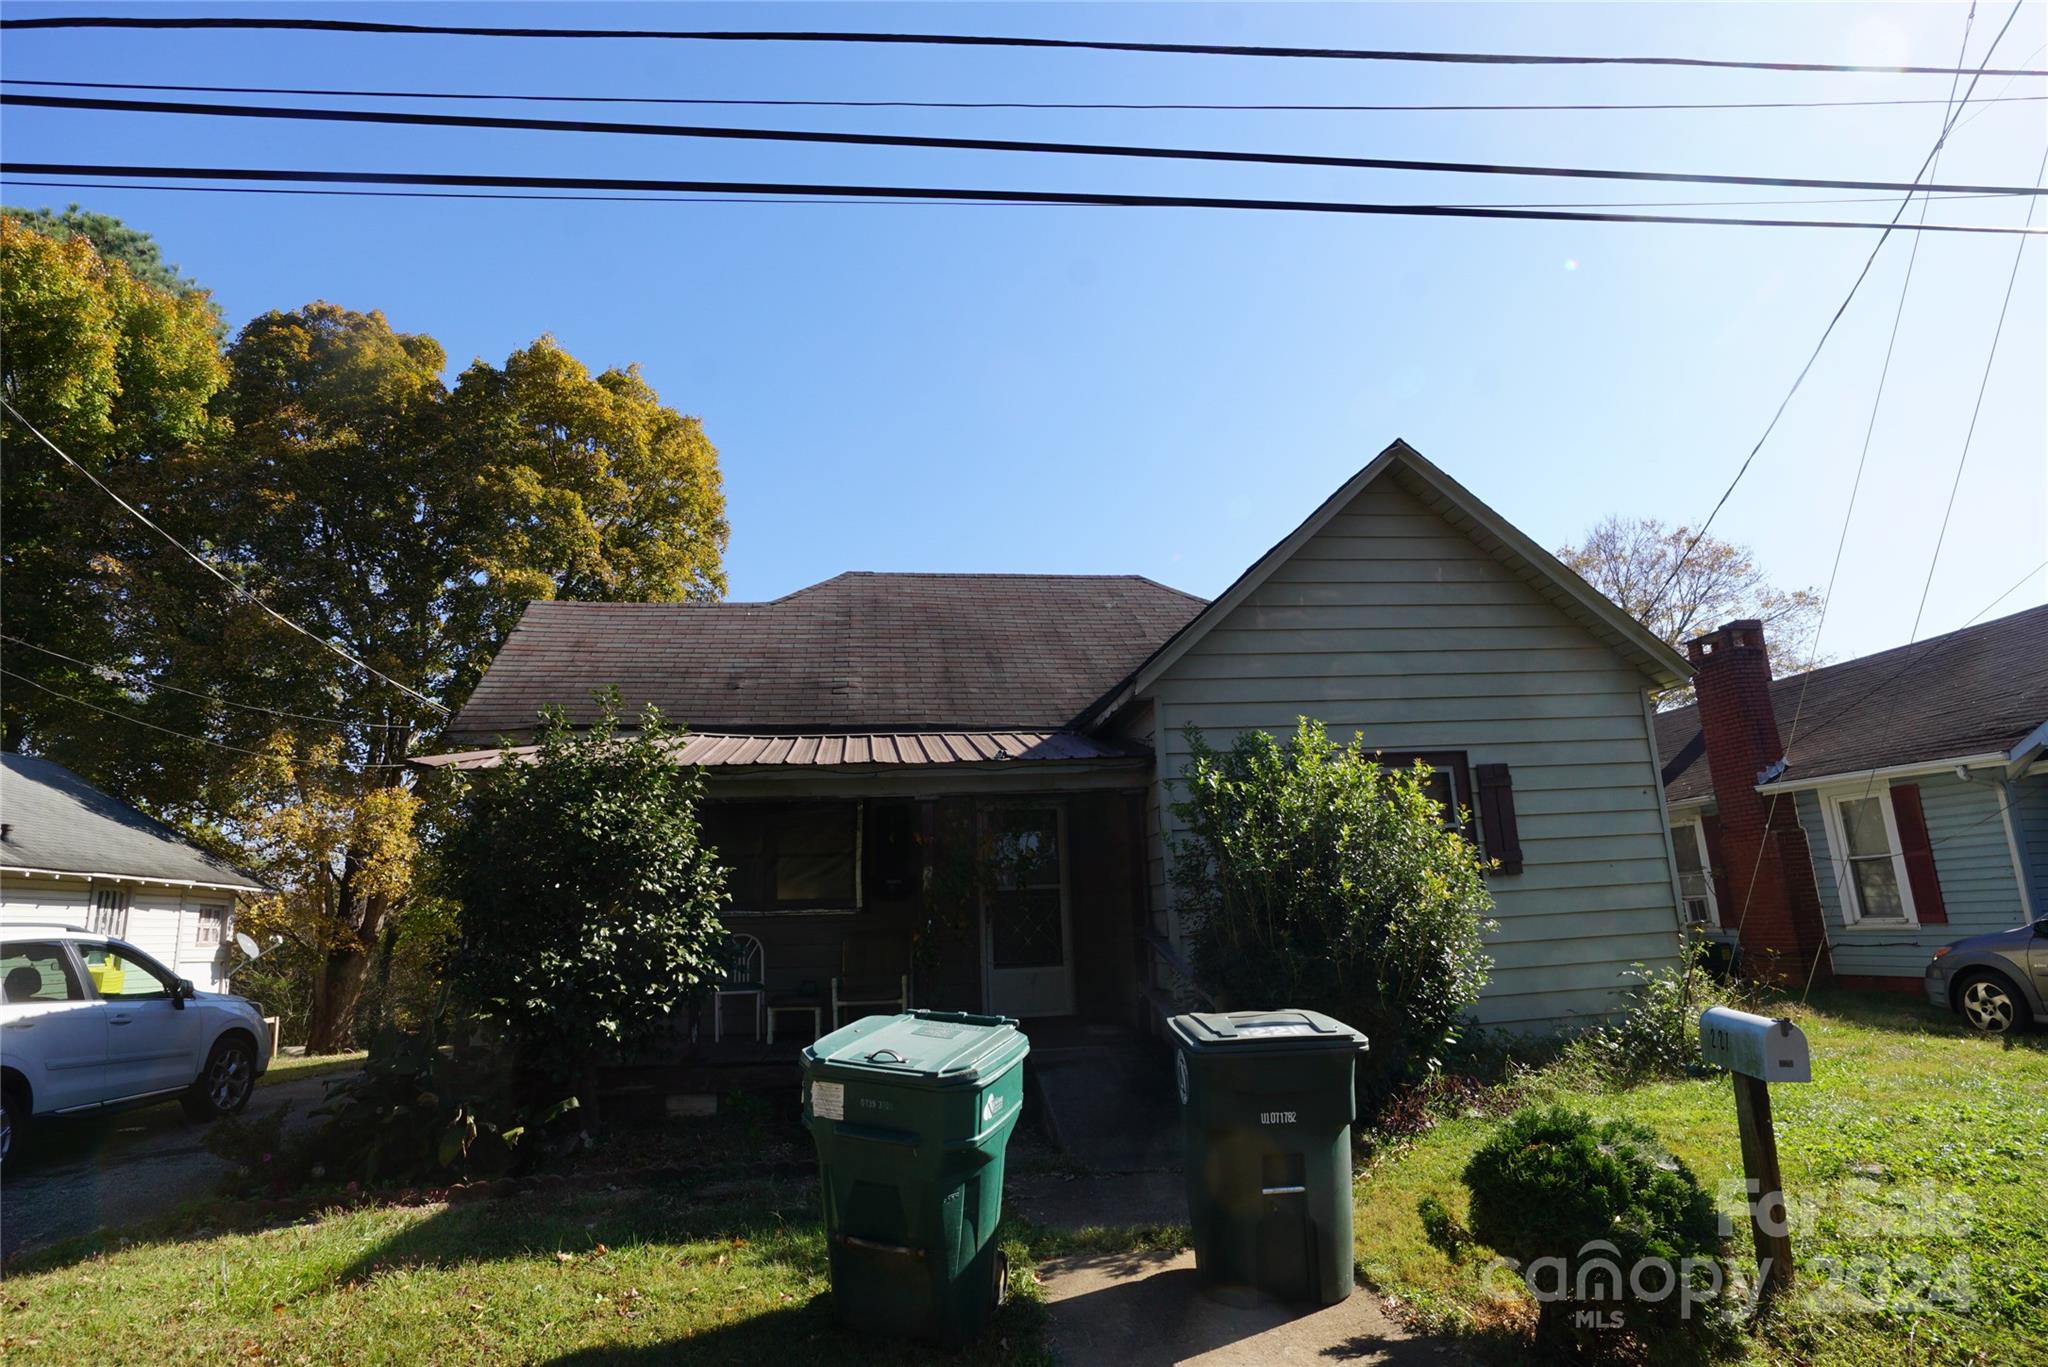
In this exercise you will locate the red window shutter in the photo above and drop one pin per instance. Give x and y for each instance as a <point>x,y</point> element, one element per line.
<point>1919,854</point>
<point>1717,867</point>
<point>1501,840</point>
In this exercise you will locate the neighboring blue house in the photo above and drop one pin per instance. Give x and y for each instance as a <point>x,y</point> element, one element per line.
<point>1908,809</point>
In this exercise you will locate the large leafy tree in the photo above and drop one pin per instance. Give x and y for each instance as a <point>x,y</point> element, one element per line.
<point>112,239</point>
<point>1643,566</point>
<point>120,374</point>
<point>411,523</point>
<point>337,478</point>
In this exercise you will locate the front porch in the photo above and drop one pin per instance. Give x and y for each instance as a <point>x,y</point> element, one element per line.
<point>1025,903</point>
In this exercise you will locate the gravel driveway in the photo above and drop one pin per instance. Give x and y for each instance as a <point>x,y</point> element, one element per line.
<point>71,1177</point>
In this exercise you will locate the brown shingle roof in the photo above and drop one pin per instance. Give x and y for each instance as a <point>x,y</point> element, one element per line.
<point>1971,692</point>
<point>859,652</point>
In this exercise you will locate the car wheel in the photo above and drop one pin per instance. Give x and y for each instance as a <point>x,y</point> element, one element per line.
<point>12,1116</point>
<point>1988,1003</point>
<point>225,1082</point>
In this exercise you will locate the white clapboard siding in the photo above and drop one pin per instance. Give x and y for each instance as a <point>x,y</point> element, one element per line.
<point>1392,624</point>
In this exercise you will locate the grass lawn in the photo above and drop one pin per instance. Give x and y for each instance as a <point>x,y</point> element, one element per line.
<point>628,1276</point>
<point>723,1269</point>
<point>1918,1155</point>
<point>292,1067</point>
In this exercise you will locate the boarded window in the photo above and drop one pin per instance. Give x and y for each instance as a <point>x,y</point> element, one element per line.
<point>109,914</point>
<point>788,856</point>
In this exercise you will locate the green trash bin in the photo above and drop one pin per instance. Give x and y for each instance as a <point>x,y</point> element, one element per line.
<point>911,1114</point>
<point>1266,1105</point>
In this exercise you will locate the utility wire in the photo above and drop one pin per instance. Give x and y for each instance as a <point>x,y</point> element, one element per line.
<point>1949,116</point>
<point>1976,411</point>
<point>214,570</point>
<point>144,681</point>
<point>911,204</point>
<point>182,735</point>
<point>1933,153</point>
<point>162,23</point>
<point>415,119</point>
<point>921,193</point>
<point>1219,106</point>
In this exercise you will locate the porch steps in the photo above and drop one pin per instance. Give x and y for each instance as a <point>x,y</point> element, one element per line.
<point>1106,1096</point>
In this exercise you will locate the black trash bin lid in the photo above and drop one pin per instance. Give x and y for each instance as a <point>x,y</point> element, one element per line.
<point>1265,1032</point>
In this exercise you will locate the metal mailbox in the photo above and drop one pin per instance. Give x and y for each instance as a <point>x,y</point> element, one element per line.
<point>1755,1046</point>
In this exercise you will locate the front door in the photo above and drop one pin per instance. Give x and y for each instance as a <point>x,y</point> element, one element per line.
<point>1027,941</point>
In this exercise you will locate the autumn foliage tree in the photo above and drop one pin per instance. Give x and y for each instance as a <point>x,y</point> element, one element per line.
<point>414,521</point>
<point>324,464</point>
<point>121,374</point>
<point>1643,566</point>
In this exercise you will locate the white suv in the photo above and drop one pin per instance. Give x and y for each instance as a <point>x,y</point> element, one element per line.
<point>89,1023</point>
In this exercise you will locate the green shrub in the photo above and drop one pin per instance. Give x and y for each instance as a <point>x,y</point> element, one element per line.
<point>588,898</point>
<point>1658,1033</point>
<point>1313,876</point>
<point>1600,1220</point>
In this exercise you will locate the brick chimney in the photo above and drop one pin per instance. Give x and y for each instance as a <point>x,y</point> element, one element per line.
<point>1764,854</point>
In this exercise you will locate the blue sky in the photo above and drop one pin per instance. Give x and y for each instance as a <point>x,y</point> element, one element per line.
<point>1169,392</point>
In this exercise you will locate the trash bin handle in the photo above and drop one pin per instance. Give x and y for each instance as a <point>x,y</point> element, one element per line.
<point>894,1057</point>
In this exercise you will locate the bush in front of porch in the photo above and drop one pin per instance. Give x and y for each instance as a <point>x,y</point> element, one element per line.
<point>1314,876</point>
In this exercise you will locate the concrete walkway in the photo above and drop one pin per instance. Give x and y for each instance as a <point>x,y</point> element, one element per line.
<point>1146,1310</point>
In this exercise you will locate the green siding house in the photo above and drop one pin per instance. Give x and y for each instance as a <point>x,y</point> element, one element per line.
<point>1907,808</point>
<point>859,735</point>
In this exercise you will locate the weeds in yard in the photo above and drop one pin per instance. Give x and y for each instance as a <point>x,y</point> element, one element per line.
<point>1916,1164</point>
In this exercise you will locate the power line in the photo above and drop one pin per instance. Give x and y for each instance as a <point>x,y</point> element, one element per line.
<point>182,735</point>
<point>1976,410</point>
<point>144,681</point>
<point>213,570</point>
<point>1949,117</point>
<point>415,119</point>
<point>921,193</point>
<point>1933,153</point>
<point>1217,106</point>
<point>364,26</point>
<point>900,204</point>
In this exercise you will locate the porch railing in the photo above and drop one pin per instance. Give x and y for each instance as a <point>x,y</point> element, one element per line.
<point>1170,1001</point>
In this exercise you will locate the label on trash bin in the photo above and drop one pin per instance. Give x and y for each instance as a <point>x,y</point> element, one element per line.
<point>1262,1031</point>
<point>828,1100</point>
<point>938,1031</point>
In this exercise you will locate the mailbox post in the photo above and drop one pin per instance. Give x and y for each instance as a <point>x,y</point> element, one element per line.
<point>1758,1051</point>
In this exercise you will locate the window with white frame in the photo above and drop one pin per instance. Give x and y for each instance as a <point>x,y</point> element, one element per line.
<point>1869,863</point>
<point>212,927</point>
<point>1695,874</point>
<point>109,912</point>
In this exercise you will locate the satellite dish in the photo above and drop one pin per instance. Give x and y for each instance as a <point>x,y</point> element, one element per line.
<point>247,945</point>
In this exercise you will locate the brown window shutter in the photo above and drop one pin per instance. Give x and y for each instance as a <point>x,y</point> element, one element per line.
<point>1717,867</point>
<point>1501,840</point>
<point>1919,854</point>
